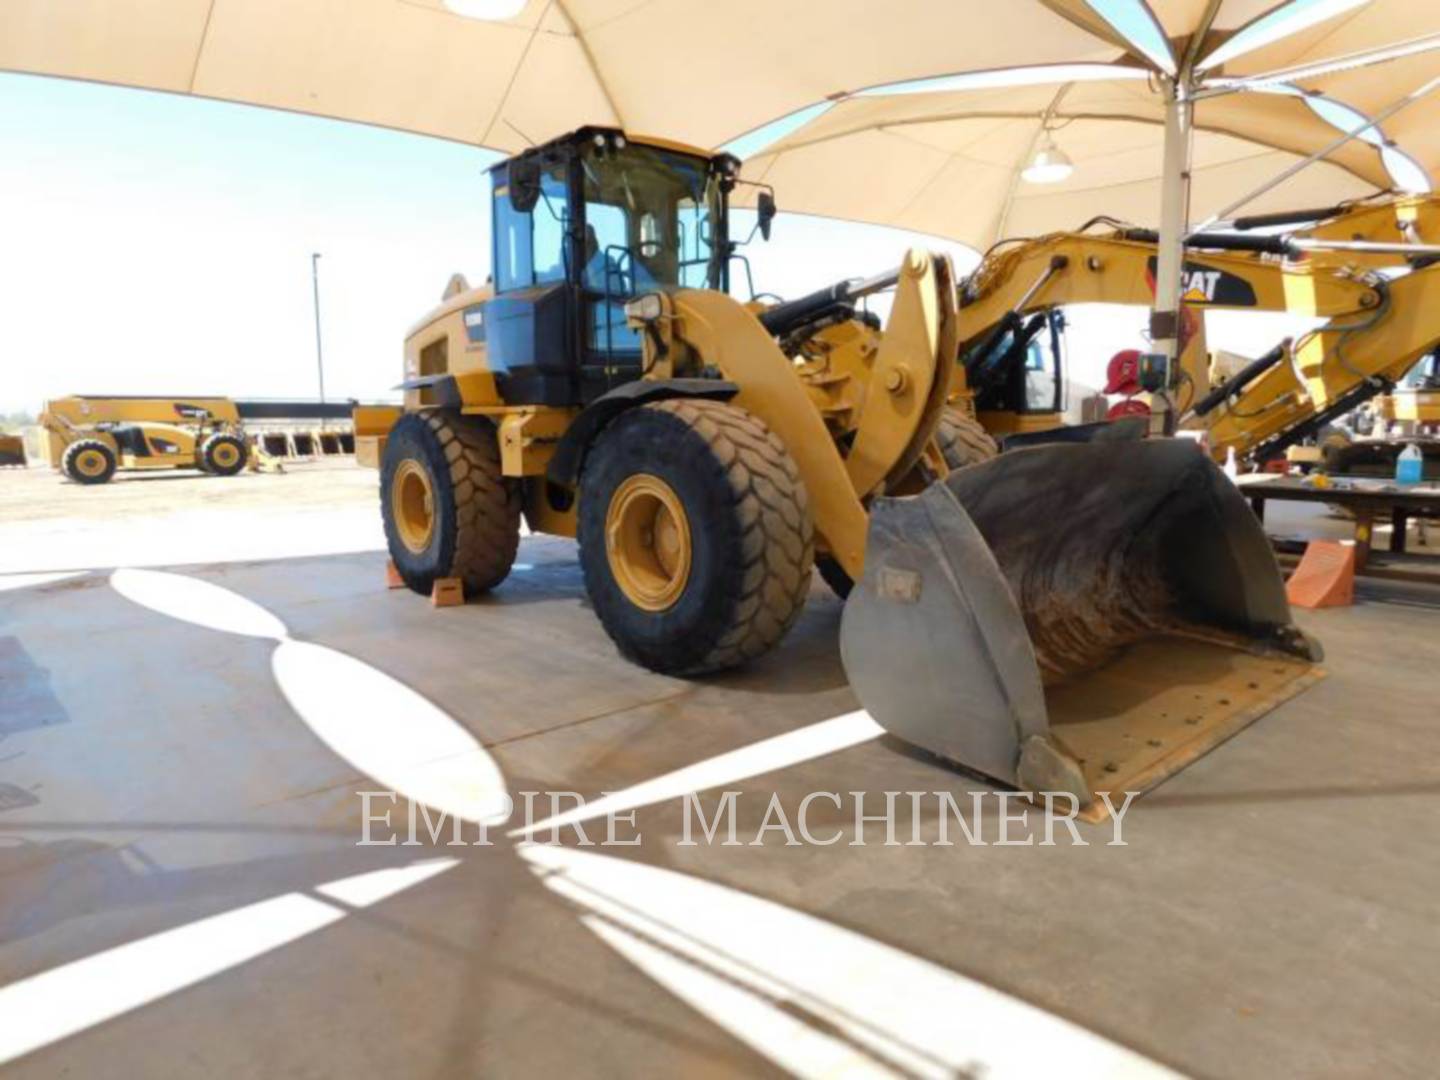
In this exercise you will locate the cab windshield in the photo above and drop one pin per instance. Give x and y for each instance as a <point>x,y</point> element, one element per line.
<point>652,218</point>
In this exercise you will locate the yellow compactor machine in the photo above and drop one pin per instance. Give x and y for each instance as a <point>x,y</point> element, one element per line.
<point>1084,617</point>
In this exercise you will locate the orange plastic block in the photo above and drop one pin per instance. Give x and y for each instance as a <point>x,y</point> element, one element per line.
<point>393,580</point>
<point>447,592</point>
<point>1325,576</point>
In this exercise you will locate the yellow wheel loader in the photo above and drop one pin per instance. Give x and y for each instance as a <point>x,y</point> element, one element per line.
<point>12,450</point>
<point>1409,415</point>
<point>1080,618</point>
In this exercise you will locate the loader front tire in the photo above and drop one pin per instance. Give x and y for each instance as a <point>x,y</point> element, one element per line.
<point>695,536</point>
<point>962,440</point>
<point>448,509</point>
<point>88,461</point>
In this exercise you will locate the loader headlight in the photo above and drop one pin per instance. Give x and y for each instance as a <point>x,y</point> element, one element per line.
<point>645,308</point>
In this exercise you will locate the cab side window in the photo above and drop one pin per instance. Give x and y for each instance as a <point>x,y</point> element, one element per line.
<point>552,221</point>
<point>530,247</point>
<point>513,263</point>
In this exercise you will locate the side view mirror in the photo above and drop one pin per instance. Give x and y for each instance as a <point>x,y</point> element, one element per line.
<point>524,184</point>
<point>765,208</point>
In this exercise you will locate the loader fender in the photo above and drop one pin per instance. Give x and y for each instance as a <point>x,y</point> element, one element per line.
<point>569,456</point>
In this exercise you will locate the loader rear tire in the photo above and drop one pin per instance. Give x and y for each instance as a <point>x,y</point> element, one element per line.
<point>962,440</point>
<point>223,455</point>
<point>88,461</point>
<point>448,509</point>
<point>695,536</point>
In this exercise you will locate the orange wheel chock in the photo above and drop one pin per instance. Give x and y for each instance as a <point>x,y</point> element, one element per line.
<point>1325,576</point>
<point>393,580</point>
<point>447,592</point>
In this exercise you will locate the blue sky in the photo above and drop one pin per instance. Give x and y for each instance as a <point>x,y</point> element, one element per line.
<point>161,244</point>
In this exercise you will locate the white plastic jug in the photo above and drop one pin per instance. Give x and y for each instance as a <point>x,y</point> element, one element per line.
<point>1410,465</point>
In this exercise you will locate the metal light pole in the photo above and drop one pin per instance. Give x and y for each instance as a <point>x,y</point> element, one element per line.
<point>319,353</point>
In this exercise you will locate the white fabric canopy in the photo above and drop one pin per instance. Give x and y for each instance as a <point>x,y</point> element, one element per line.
<point>706,71</point>
<point>699,71</point>
<point>948,159</point>
<point>950,164</point>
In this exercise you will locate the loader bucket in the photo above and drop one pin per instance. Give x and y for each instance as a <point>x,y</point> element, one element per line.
<point>1085,618</point>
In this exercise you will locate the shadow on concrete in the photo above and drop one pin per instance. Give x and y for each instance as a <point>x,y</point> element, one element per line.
<point>26,700</point>
<point>14,797</point>
<point>49,883</point>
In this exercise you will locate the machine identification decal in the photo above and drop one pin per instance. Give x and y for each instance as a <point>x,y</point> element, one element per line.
<point>1201,284</point>
<point>475,322</point>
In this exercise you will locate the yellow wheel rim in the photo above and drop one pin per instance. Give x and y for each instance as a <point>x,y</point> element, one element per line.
<point>647,539</point>
<point>90,462</point>
<point>225,454</point>
<point>412,504</point>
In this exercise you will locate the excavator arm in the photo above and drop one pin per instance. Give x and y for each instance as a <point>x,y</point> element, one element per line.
<point>1375,329</point>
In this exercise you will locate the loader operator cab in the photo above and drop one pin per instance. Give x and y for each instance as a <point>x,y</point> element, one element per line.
<point>582,225</point>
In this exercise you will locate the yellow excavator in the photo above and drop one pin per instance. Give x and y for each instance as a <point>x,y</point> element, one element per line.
<point>1083,618</point>
<point>1340,268</point>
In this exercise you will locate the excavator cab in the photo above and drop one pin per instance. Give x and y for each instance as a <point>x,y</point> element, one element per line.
<point>1018,373</point>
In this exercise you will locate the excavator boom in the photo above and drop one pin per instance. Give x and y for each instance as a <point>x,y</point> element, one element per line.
<point>1376,327</point>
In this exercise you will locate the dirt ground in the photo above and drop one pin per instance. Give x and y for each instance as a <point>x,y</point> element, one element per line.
<point>185,517</point>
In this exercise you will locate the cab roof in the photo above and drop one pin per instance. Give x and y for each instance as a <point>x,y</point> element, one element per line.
<point>581,136</point>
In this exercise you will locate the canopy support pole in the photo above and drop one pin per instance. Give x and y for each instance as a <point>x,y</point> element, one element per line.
<point>1174,227</point>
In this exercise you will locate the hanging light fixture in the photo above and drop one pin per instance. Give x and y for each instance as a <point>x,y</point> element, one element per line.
<point>487,10</point>
<point>1050,165</point>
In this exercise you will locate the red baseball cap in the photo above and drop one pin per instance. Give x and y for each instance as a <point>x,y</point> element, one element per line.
<point>1128,407</point>
<point>1122,374</point>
